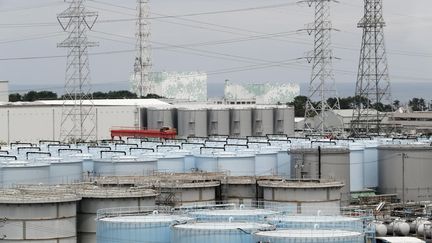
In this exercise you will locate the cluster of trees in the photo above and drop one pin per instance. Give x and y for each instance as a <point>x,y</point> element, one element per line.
<point>48,95</point>
<point>416,104</point>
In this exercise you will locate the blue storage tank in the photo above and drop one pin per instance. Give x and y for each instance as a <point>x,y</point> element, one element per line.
<point>241,214</point>
<point>170,162</point>
<point>284,163</point>
<point>207,163</point>
<point>266,162</point>
<point>356,166</point>
<point>216,232</point>
<point>23,172</point>
<point>370,165</point>
<point>134,166</point>
<point>63,171</point>
<point>236,164</point>
<point>308,236</point>
<point>142,229</point>
<point>322,222</point>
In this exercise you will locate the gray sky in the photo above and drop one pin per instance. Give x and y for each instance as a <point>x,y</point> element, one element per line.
<point>221,44</point>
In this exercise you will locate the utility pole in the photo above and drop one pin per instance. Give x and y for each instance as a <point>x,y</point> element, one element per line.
<point>322,83</point>
<point>142,85</point>
<point>78,114</point>
<point>373,82</point>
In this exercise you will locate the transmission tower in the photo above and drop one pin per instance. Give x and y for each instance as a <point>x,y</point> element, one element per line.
<point>321,86</point>
<point>78,121</point>
<point>141,79</point>
<point>373,83</point>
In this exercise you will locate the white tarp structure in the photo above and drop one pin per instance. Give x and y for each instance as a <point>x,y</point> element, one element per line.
<point>189,86</point>
<point>267,93</point>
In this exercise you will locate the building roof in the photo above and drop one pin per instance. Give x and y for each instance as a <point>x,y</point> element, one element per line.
<point>105,102</point>
<point>348,113</point>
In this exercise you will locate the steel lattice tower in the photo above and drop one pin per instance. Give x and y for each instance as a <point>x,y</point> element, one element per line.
<point>321,86</point>
<point>78,121</point>
<point>141,79</point>
<point>373,83</point>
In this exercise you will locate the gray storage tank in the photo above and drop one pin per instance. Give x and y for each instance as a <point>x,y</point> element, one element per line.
<point>38,216</point>
<point>218,121</point>
<point>263,121</point>
<point>192,122</point>
<point>241,122</point>
<point>405,171</point>
<point>284,120</point>
<point>160,117</point>
<point>323,163</point>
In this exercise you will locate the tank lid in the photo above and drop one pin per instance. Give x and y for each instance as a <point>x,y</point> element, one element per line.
<point>235,212</point>
<point>313,219</point>
<point>22,196</point>
<point>301,184</point>
<point>152,218</point>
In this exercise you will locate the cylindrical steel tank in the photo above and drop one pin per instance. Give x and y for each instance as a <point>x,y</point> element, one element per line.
<point>133,166</point>
<point>187,193</point>
<point>172,163</point>
<point>323,222</point>
<point>96,198</point>
<point>192,122</point>
<point>309,236</point>
<point>240,214</point>
<point>216,232</point>
<point>325,163</point>
<point>284,120</point>
<point>22,172</point>
<point>207,163</point>
<point>307,197</point>
<point>38,216</point>
<point>146,229</point>
<point>263,121</point>
<point>219,121</point>
<point>241,122</point>
<point>356,166</point>
<point>236,164</point>
<point>380,229</point>
<point>160,117</point>
<point>65,171</point>
<point>266,162</point>
<point>398,228</point>
<point>405,171</point>
<point>370,165</point>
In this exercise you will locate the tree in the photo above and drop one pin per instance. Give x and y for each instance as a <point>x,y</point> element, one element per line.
<point>417,104</point>
<point>299,105</point>
<point>42,95</point>
<point>15,97</point>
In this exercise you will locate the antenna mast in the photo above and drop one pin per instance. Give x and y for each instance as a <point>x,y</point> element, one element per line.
<point>78,121</point>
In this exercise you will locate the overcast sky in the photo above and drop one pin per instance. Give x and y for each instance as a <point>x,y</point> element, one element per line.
<point>225,44</point>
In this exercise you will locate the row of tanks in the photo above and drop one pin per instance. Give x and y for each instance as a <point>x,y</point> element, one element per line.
<point>237,121</point>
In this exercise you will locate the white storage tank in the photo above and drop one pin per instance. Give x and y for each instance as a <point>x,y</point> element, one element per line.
<point>241,122</point>
<point>236,164</point>
<point>160,117</point>
<point>38,216</point>
<point>263,121</point>
<point>309,236</point>
<point>23,172</point>
<point>216,232</point>
<point>141,228</point>
<point>192,122</point>
<point>370,166</point>
<point>356,166</point>
<point>266,162</point>
<point>207,163</point>
<point>64,171</point>
<point>170,162</point>
<point>334,222</point>
<point>241,214</point>
<point>284,120</point>
<point>405,171</point>
<point>218,121</point>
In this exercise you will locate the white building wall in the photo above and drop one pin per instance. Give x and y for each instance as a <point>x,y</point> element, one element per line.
<point>4,91</point>
<point>34,123</point>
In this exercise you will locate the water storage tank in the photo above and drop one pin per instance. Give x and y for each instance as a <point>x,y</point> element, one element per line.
<point>192,122</point>
<point>207,163</point>
<point>145,229</point>
<point>38,216</point>
<point>370,166</point>
<point>323,222</point>
<point>236,164</point>
<point>241,122</point>
<point>306,197</point>
<point>171,163</point>
<point>134,166</point>
<point>356,166</point>
<point>333,162</point>
<point>95,198</point>
<point>284,120</point>
<point>241,214</point>
<point>266,162</point>
<point>263,121</point>
<point>309,236</point>
<point>284,163</point>
<point>219,121</point>
<point>160,117</point>
<point>21,172</point>
<point>408,167</point>
<point>64,171</point>
<point>216,232</point>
